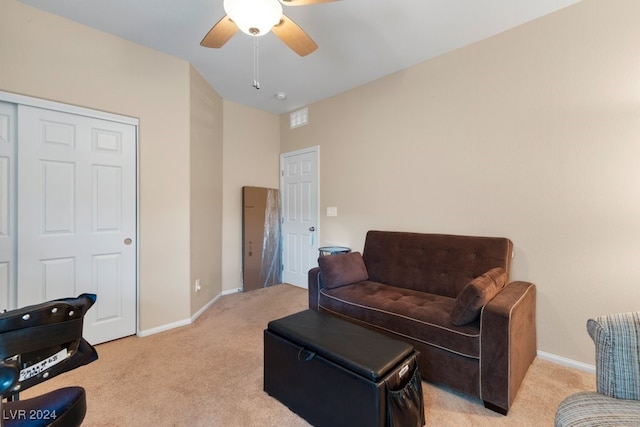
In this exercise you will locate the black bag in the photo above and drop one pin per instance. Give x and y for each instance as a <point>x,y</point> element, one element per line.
<point>405,404</point>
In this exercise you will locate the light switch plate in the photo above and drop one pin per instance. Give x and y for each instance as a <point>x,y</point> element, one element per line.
<point>332,211</point>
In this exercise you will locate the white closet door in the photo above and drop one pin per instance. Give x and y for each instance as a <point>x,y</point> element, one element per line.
<point>77,216</point>
<point>7,204</point>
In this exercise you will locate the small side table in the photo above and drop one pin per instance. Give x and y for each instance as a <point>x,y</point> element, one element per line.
<point>332,250</point>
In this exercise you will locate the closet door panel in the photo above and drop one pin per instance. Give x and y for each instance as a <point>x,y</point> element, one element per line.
<point>7,204</point>
<point>77,210</point>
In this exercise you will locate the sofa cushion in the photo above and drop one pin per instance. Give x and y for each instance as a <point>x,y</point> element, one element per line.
<point>476,294</point>
<point>413,314</point>
<point>342,269</point>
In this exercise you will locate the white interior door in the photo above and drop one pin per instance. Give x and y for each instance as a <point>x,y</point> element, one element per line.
<point>77,216</point>
<point>300,227</point>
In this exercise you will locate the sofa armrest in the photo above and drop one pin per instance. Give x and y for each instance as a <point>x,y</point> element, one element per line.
<point>314,284</point>
<point>508,343</point>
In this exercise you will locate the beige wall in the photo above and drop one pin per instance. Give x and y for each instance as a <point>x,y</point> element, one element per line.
<point>533,134</point>
<point>251,158</point>
<point>205,192</point>
<point>49,57</point>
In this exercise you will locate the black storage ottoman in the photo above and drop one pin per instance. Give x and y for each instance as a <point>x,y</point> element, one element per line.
<point>335,373</point>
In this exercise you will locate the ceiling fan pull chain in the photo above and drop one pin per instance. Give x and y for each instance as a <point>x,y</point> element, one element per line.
<point>256,83</point>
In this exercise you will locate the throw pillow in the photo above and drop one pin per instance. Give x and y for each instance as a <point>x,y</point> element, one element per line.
<point>476,294</point>
<point>342,269</point>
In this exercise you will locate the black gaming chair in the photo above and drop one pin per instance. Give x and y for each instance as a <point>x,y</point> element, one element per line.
<point>37,343</point>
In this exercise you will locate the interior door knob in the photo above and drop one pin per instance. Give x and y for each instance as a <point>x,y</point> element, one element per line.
<point>127,241</point>
<point>312,229</point>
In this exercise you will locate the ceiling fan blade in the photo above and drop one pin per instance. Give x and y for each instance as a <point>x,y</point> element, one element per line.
<point>220,33</point>
<point>294,36</point>
<point>303,2</point>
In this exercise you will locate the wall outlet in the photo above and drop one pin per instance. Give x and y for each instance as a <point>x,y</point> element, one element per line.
<point>197,285</point>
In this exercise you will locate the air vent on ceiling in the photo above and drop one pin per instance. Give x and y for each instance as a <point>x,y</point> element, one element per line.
<point>298,118</point>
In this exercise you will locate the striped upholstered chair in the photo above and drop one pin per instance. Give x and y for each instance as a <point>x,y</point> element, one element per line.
<point>617,400</point>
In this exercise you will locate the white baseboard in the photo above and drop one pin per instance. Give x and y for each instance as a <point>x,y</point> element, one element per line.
<point>185,322</point>
<point>231,291</point>
<point>204,308</point>
<point>567,362</point>
<point>163,328</point>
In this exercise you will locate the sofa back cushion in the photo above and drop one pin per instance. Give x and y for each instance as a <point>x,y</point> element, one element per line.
<point>342,269</point>
<point>437,263</point>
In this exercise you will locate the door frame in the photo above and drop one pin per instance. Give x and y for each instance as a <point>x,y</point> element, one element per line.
<point>315,150</point>
<point>15,98</point>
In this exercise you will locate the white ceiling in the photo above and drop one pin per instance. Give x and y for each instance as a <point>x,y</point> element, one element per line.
<point>358,40</point>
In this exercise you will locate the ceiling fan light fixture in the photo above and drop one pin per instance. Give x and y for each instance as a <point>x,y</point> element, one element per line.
<point>254,17</point>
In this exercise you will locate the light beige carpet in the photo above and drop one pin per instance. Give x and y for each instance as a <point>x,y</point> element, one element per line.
<point>210,374</point>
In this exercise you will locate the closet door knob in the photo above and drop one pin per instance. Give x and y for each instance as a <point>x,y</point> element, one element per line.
<point>127,241</point>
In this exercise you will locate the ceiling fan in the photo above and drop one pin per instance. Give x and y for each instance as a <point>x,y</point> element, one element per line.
<point>257,18</point>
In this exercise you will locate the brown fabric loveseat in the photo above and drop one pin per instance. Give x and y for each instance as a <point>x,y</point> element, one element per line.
<point>448,296</point>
